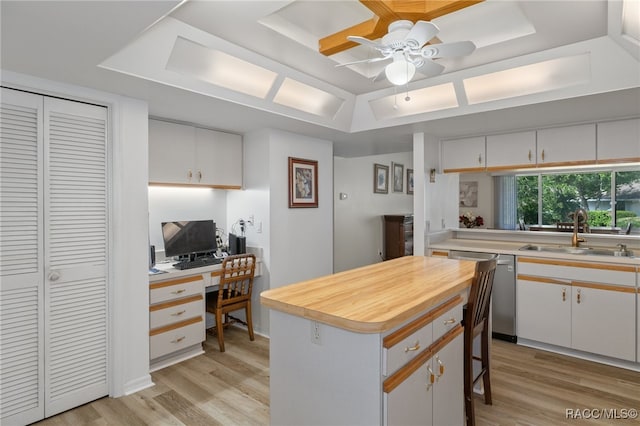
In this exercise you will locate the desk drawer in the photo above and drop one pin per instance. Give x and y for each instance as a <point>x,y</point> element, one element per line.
<point>183,335</point>
<point>447,321</point>
<point>177,288</point>
<point>174,311</point>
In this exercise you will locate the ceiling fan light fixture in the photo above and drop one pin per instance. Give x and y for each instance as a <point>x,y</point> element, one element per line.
<point>400,71</point>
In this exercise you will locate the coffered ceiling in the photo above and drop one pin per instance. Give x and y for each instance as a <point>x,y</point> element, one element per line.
<point>240,65</point>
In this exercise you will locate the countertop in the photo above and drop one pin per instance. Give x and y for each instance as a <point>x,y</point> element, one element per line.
<point>512,247</point>
<point>374,298</point>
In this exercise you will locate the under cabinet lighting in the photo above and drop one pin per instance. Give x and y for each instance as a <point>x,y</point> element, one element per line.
<point>219,68</point>
<point>529,79</point>
<point>303,97</point>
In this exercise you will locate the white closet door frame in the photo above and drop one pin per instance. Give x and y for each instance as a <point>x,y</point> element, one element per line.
<point>76,252</point>
<point>21,259</point>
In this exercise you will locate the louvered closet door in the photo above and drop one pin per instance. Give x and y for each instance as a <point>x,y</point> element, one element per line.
<point>75,254</point>
<point>21,266</point>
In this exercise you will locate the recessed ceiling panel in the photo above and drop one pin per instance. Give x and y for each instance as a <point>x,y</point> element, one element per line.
<point>420,101</point>
<point>529,79</point>
<point>631,19</point>
<point>303,97</point>
<point>219,68</point>
<point>485,23</point>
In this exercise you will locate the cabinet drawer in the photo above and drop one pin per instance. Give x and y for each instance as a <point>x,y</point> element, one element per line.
<point>605,273</point>
<point>447,321</point>
<point>175,311</point>
<point>185,334</point>
<point>178,288</point>
<point>405,343</point>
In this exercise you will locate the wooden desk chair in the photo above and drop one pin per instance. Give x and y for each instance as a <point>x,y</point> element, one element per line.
<point>234,293</point>
<point>476,322</point>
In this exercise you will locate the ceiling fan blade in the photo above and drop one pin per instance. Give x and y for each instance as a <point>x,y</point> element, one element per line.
<point>422,32</point>
<point>448,50</point>
<point>364,60</point>
<point>365,42</point>
<point>430,68</point>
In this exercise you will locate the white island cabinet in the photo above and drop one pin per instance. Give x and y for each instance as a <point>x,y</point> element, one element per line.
<point>351,349</point>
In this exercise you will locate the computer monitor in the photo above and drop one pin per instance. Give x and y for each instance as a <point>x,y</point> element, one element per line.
<point>189,238</point>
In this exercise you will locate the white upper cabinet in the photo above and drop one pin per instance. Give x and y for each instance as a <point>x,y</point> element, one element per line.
<point>171,152</point>
<point>218,158</point>
<point>186,155</point>
<point>567,146</point>
<point>511,151</point>
<point>463,155</point>
<point>619,141</point>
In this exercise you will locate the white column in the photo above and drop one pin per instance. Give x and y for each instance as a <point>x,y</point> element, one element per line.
<point>419,206</point>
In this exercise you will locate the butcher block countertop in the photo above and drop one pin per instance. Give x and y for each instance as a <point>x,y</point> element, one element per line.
<point>374,298</point>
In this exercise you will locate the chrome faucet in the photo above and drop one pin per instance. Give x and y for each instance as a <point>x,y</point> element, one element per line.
<point>575,241</point>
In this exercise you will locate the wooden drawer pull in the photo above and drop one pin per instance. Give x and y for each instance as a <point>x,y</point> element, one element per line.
<point>178,291</point>
<point>564,294</point>
<point>432,377</point>
<point>415,347</point>
<point>178,340</point>
<point>578,297</point>
<point>176,314</point>
<point>450,321</point>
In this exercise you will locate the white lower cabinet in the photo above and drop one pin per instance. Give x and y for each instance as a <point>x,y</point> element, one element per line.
<point>593,312</point>
<point>428,388</point>
<point>431,395</point>
<point>544,311</point>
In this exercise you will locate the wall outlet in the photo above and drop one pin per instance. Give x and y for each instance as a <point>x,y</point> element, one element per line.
<point>315,332</point>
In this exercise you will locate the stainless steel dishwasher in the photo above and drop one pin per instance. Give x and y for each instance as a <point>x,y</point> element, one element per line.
<point>503,297</point>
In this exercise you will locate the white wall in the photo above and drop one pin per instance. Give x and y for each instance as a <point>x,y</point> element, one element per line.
<point>254,200</point>
<point>168,204</point>
<point>358,226</point>
<point>301,238</point>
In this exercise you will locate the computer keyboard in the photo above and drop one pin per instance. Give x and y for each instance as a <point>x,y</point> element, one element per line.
<point>197,263</point>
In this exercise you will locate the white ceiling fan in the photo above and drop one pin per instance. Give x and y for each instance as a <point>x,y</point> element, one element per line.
<point>405,44</point>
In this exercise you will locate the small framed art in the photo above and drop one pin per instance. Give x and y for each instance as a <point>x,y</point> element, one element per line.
<point>398,177</point>
<point>303,183</point>
<point>380,179</point>
<point>409,181</point>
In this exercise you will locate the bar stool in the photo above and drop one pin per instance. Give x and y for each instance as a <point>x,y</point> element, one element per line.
<point>476,322</point>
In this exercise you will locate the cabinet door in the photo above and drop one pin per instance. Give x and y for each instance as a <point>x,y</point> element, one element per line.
<point>447,364</point>
<point>513,150</point>
<point>21,258</point>
<point>602,321</point>
<point>619,141</point>
<point>544,311</point>
<point>411,402</point>
<point>171,152</point>
<point>567,146</point>
<point>463,155</point>
<point>218,158</point>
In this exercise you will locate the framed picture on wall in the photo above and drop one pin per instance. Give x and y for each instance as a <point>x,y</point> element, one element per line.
<point>398,177</point>
<point>409,181</point>
<point>468,194</point>
<point>380,179</point>
<point>303,183</point>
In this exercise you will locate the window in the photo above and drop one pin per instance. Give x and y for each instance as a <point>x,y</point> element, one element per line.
<point>611,198</point>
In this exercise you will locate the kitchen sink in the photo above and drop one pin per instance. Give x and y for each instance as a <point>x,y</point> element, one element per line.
<point>579,250</point>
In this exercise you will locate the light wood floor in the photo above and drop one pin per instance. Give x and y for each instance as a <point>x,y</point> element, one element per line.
<point>530,387</point>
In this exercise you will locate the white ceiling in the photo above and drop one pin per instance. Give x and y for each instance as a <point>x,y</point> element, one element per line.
<point>94,44</point>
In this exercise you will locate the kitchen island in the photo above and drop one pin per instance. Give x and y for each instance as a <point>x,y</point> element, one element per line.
<point>380,344</point>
